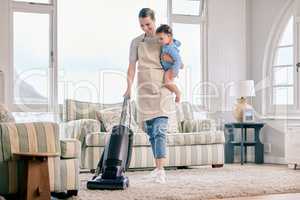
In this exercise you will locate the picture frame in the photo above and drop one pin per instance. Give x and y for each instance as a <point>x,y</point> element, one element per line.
<point>248,115</point>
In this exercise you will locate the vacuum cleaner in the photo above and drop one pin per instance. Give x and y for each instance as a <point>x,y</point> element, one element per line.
<point>115,159</point>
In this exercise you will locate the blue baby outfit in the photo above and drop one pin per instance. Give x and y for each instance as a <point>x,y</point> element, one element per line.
<point>173,51</point>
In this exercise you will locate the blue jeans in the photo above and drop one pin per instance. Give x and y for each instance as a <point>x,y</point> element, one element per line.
<point>156,128</point>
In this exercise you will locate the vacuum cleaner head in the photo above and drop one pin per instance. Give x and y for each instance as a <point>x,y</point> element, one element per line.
<point>119,183</point>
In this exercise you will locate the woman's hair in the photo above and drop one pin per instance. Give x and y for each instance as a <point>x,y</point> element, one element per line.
<point>147,12</point>
<point>164,28</point>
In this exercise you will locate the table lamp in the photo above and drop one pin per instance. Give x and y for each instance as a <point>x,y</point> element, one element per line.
<point>241,90</point>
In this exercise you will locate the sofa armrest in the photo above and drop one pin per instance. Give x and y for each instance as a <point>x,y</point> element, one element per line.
<point>197,125</point>
<point>70,148</point>
<point>79,129</point>
<point>33,137</point>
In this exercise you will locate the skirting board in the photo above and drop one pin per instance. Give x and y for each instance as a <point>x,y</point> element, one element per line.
<point>275,160</point>
<point>267,159</point>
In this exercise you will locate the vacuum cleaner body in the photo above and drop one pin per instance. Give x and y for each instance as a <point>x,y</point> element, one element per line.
<point>115,159</point>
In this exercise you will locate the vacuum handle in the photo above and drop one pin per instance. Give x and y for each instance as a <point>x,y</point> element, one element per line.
<point>126,103</point>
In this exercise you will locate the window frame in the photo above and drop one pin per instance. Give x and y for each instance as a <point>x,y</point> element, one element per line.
<point>38,8</point>
<point>294,85</point>
<point>200,20</point>
<point>51,9</point>
<point>273,44</point>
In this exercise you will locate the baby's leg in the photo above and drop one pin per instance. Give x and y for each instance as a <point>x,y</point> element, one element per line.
<point>169,83</point>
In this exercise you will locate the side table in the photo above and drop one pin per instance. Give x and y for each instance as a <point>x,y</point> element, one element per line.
<point>244,143</point>
<point>36,182</point>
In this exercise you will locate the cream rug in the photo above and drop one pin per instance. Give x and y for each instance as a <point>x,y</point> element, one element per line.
<point>203,183</point>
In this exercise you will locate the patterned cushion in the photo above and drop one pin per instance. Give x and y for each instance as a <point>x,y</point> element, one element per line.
<point>28,137</point>
<point>189,126</point>
<point>78,129</point>
<point>142,139</point>
<point>70,148</point>
<point>172,124</point>
<point>97,139</point>
<point>5,115</point>
<point>74,110</point>
<point>111,117</point>
<point>184,111</point>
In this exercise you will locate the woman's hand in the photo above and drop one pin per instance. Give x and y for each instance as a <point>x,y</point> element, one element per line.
<point>166,57</point>
<point>127,93</point>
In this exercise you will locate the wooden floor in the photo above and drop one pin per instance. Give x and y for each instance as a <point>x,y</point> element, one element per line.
<point>295,196</point>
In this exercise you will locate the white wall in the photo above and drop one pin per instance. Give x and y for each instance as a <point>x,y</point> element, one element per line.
<point>4,44</point>
<point>226,46</point>
<point>262,16</point>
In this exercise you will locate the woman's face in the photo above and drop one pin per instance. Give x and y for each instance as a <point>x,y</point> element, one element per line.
<point>147,25</point>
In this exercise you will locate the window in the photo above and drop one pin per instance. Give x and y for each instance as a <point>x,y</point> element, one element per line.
<point>188,19</point>
<point>284,52</point>
<point>93,43</point>
<point>283,83</point>
<point>32,51</point>
<point>187,7</point>
<point>79,49</point>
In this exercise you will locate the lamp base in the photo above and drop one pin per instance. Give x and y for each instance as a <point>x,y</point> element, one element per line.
<point>238,110</point>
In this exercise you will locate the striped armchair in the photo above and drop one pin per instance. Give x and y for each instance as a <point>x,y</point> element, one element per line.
<point>191,141</point>
<point>38,137</point>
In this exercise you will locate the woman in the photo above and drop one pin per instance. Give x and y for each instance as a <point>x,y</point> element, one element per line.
<point>154,101</point>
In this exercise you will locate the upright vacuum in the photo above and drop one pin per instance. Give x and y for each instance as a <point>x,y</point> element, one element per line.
<point>115,159</point>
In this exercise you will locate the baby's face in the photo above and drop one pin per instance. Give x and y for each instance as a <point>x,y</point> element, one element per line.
<point>164,38</point>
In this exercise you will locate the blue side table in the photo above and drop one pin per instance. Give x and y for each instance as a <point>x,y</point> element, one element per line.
<point>244,143</point>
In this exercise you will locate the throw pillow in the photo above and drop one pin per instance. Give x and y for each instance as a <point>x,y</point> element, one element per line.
<point>5,115</point>
<point>111,117</point>
<point>189,126</point>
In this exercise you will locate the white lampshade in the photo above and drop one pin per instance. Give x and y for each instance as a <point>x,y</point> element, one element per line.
<point>242,89</point>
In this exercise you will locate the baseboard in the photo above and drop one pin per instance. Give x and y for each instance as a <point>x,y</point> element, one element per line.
<point>275,160</point>
<point>267,159</point>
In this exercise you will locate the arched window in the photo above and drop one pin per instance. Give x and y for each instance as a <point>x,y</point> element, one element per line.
<point>283,68</point>
<point>281,80</point>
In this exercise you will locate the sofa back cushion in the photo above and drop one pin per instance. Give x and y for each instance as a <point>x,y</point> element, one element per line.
<point>110,117</point>
<point>200,125</point>
<point>38,137</point>
<point>5,115</point>
<point>184,111</point>
<point>74,110</point>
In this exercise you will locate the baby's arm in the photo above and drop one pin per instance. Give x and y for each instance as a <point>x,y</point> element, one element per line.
<point>177,63</point>
<point>169,84</point>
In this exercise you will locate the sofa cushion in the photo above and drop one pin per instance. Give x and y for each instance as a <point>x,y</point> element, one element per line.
<point>74,110</point>
<point>196,138</point>
<point>98,139</point>
<point>177,139</point>
<point>198,125</point>
<point>5,115</point>
<point>110,117</point>
<point>70,148</point>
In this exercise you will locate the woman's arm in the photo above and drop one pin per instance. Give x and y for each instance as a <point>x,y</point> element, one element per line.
<point>130,78</point>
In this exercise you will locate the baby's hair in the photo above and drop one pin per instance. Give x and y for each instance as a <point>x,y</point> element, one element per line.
<point>164,28</point>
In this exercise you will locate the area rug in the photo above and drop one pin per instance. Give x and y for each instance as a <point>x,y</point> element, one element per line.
<point>203,183</point>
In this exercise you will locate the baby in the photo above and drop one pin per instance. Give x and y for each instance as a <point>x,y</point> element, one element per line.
<point>170,47</point>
